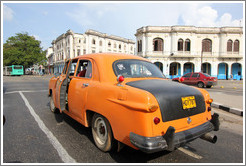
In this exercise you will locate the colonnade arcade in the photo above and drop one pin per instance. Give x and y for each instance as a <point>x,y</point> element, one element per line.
<point>221,70</point>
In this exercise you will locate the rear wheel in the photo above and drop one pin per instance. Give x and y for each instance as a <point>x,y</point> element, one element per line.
<point>200,84</point>
<point>102,133</point>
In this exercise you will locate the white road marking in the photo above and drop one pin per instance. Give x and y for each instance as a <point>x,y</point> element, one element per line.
<point>190,153</point>
<point>26,91</point>
<point>65,157</point>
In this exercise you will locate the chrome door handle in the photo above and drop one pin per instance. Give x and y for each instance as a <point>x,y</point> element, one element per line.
<point>85,84</point>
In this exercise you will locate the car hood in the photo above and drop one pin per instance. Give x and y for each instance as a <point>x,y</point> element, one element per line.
<point>169,94</point>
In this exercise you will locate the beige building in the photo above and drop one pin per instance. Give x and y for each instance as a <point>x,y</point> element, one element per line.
<point>177,50</point>
<point>70,45</point>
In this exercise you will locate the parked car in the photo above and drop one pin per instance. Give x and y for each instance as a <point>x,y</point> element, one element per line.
<point>200,79</point>
<point>126,100</point>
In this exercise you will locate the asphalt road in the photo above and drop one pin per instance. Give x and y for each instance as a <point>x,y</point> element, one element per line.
<point>33,134</point>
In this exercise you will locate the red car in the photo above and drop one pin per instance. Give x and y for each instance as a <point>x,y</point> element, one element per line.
<point>198,78</point>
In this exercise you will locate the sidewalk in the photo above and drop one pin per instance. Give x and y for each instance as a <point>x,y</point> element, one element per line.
<point>229,103</point>
<point>228,96</point>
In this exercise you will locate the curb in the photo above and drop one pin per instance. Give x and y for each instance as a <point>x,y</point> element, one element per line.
<point>228,109</point>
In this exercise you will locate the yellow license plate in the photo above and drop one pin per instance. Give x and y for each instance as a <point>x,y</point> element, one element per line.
<point>188,102</point>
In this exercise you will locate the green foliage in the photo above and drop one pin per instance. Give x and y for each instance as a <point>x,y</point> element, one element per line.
<point>22,49</point>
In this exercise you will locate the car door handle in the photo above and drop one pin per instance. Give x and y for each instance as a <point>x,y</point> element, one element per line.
<point>85,84</point>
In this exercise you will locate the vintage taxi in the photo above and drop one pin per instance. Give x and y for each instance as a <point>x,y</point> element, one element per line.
<point>126,100</point>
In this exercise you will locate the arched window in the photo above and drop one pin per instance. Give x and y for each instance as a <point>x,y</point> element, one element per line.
<point>93,41</point>
<point>206,45</point>
<point>120,46</point>
<point>100,43</point>
<point>140,46</point>
<point>180,45</point>
<point>229,45</point>
<point>236,46</point>
<point>187,45</point>
<point>114,45</point>
<point>109,44</point>
<point>158,44</point>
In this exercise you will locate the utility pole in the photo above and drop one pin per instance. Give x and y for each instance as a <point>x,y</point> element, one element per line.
<point>201,59</point>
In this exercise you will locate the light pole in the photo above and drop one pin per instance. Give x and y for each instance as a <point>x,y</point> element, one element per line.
<point>201,59</point>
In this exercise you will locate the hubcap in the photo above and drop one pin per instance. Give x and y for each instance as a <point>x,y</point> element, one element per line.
<point>101,131</point>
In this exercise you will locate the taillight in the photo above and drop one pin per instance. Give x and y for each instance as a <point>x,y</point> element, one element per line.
<point>156,120</point>
<point>181,79</point>
<point>209,101</point>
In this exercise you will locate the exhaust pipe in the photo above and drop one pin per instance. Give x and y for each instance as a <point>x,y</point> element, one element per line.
<point>209,137</point>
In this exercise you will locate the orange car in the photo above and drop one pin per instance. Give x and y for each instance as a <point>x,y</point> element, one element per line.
<point>126,99</point>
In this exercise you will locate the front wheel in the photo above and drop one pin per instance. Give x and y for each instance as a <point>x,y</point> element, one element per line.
<point>52,105</point>
<point>102,133</point>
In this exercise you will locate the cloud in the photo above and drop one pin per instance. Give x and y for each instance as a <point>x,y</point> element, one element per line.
<point>36,37</point>
<point>226,20</point>
<point>8,13</point>
<point>206,16</point>
<point>89,14</point>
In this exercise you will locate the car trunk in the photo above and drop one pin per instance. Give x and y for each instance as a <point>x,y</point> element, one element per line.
<point>169,96</point>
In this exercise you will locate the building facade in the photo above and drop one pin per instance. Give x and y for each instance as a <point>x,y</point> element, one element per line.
<point>177,50</point>
<point>50,59</point>
<point>70,45</point>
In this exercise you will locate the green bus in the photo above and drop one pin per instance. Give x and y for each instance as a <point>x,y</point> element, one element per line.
<point>13,70</point>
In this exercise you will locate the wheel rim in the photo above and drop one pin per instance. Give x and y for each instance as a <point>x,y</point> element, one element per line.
<point>100,129</point>
<point>200,85</point>
<point>52,105</point>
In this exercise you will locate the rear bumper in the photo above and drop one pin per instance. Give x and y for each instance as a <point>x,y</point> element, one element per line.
<point>171,139</point>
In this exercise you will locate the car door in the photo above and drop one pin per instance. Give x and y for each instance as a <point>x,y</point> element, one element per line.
<point>78,88</point>
<point>61,87</point>
<point>194,78</point>
<point>186,79</point>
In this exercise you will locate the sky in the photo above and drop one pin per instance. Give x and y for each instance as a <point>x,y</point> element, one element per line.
<point>47,21</point>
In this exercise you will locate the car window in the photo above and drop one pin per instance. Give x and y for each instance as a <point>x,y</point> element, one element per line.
<point>73,67</point>
<point>84,69</point>
<point>187,75</point>
<point>131,68</point>
<point>65,68</point>
<point>195,75</point>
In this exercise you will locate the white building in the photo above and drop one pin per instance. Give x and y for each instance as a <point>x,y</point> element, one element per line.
<point>70,45</point>
<point>50,59</point>
<point>177,50</point>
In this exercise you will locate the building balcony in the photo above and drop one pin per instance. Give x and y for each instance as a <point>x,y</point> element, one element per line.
<point>231,55</point>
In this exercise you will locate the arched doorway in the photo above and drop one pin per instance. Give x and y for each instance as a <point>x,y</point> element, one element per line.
<point>223,71</point>
<point>174,70</point>
<point>206,68</point>
<point>159,65</point>
<point>188,67</point>
<point>236,71</point>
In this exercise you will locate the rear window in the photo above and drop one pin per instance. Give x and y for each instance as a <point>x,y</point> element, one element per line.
<point>132,68</point>
<point>187,75</point>
<point>207,75</point>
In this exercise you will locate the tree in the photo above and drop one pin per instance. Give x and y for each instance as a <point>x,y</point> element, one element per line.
<point>22,49</point>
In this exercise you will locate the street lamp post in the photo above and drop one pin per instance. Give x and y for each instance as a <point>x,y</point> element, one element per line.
<point>201,59</point>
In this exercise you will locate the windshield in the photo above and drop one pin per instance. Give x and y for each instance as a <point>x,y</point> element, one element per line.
<point>207,75</point>
<point>130,68</point>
